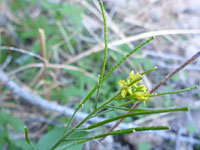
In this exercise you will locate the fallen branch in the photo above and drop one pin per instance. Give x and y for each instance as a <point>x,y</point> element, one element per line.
<point>45,104</point>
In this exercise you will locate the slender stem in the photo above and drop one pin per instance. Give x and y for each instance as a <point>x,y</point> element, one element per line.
<point>135,114</point>
<point>97,95</point>
<point>128,55</point>
<point>174,92</point>
<point>117,132</point>
<point>150,70</point>
<point>125,109</point>
<point>106,41</point>
<point>102,72</point>
<point>101,113</point>
<point>123,131</point>
<point>84,120</point>
<point>128,103</point>
<point>27,137</point>
<point>79,107</point>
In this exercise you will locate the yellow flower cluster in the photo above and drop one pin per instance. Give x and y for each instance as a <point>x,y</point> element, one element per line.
<point>133,87</point>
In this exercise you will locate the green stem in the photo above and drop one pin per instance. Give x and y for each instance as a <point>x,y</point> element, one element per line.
<point>97,95</point>
<point>117,132</point>
<point>79,107</point>
<point>101,113</point>
<point>128,55</point>
<point>136,114</point>
<point>150,70</point>
<point>128,103</point>
<point>125,109</point>
<point>123,131</point>
<point>106,41</point>
<point>174,92</point>
<point>85,119</point>
<point>27,137</point>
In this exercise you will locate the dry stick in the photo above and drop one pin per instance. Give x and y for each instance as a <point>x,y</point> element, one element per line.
<point>155,88</point>
<point>42,72</point>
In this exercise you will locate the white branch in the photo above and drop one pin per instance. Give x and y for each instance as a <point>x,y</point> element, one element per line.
<point>45,104</point>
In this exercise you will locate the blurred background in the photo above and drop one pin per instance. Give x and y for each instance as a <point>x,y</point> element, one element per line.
<point>74,50</point>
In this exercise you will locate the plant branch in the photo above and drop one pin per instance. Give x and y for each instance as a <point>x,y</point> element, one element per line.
<point>193,58</point>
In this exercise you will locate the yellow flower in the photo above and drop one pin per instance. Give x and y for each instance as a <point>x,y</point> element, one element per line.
<point>127,88</point>
<point>123,84</point>
<point>134,77</point>
<point>136,91</point>
<point>141,88</point>
<point>140,96</point>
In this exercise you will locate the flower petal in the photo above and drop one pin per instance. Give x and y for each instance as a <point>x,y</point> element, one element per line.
<point>123,93</point>
<point>122,83</point>
<point>130,91</point>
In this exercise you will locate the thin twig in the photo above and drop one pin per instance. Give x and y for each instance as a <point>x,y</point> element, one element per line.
<point>23,51</point>
<point>54,66</point>
<point>99,47</point>
<point>42,71</point>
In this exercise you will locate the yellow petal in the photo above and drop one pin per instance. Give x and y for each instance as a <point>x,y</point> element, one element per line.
<point>143,88</point>
<point>132,74</point>
<point>130,91</point>
<point>123,93</point>
<point>122,83</point>
<point>144,103</point>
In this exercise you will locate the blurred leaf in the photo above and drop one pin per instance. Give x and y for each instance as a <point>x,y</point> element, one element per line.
<point>192,128</point>
<point>3,135</point>
<point>17,124</point>
<point>77,134</point>
<point>49,139</point>
<point>147,64</point>
<point>176,78</point>
<point>144,146</point>
<point>62,95</point>
<point>20,144</point>
<point>53,136</point>
<point>168,101</point>
<point>137,61</point>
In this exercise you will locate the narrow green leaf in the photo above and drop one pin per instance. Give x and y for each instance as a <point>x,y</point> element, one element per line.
<point>125,109</point>
<point>135,114</point>
<point>128,55</point>
<point>17,124</point>
<point>150,70</point>
<point>117,132</point>
<point>106,42</point>
<point>174,92</point>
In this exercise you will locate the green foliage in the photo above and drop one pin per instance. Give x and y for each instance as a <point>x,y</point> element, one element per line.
<point>6,135</point>
<point>62,95</point>
<point>16,124</point>
<point>3,136</point>
<point>168,101</point>
<point>176,78</point>
<point>52,137</point>
<point>144,146</point>
<point>49,139</point>
<point>192,128</point>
